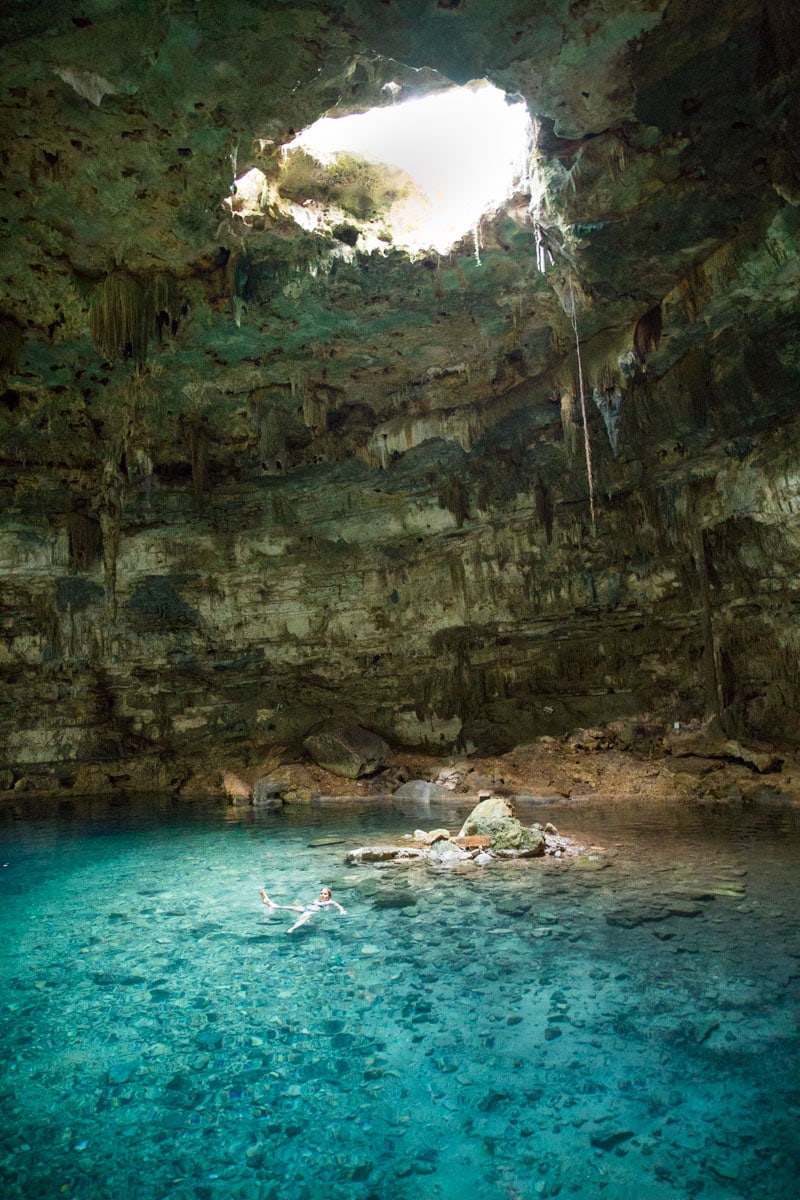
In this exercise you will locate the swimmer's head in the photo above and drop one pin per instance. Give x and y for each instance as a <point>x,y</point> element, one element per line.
<point>325,893</point>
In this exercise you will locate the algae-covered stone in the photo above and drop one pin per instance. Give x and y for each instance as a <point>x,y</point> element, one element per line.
<point>513,835</point>
<point>489,813</point>
<point>345,749</point>
<point>494,819</point>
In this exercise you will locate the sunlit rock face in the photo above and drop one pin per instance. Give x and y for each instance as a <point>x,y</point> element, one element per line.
<point>257,475</point>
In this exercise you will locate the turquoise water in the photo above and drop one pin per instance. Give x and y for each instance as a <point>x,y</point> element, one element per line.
<point>622,1027</point>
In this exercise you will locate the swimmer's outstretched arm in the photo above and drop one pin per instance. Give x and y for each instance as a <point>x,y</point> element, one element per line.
<point>336,904</point>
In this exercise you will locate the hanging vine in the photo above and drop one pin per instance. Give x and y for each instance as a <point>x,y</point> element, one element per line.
<point>582,395</point>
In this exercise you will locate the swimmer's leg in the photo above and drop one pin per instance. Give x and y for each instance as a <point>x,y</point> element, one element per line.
<point>301,920</point>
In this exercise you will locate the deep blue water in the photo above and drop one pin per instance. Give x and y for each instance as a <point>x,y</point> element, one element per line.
<point>624,1026</point>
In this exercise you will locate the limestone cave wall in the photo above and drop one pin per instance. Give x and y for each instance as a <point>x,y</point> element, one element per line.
<point>253,477</point>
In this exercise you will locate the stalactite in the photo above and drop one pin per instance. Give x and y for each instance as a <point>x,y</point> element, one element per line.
<point>568,424</point>
<point>85,541</point>
<point>110,521</point>
<point>544,508</point>
<point>198,457</point>
<point>126,313</point>
<point>120,318</point>
<point>11,342</point>
<point>315,411</point>
<point>705,280</point>
<point>609,404</point>
<point>700,557</point>
<point>167,303</point>
<point>458,577</point>
<point>666,510</point>
<point>454,496</point>
<point>237,272</point>
<point>647,334</point>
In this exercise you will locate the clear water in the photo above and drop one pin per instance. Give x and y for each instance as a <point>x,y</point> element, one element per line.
<point>625,1027</point>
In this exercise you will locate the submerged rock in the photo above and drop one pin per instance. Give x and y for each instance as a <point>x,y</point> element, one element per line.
<point>400,898</point>
<point>122,1071</point>
<point>611,1139</point>
<point>448,854</point>
<point>365,854</point>
<point>629,918</point>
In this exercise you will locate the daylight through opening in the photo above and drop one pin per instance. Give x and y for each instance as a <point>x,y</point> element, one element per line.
<point>417,175</point>
<point>460,154</point>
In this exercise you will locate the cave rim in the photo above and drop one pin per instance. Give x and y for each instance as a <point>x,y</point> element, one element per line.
<point>510,130</point>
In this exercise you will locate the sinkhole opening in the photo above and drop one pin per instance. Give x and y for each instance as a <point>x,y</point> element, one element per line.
<point>417,175</point>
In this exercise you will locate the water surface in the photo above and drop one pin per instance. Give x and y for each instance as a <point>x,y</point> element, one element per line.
<point>623,1026</point>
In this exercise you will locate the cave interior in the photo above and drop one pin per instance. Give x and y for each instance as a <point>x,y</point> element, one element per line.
<point>264,468</point>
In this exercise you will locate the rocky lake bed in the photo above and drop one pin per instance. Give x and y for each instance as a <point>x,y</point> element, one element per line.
<point>619,1023</point>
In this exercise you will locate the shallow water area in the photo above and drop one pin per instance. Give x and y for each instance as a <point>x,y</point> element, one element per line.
<point>621,1024</point>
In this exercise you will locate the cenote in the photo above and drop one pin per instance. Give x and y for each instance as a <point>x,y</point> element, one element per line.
<point>623,1024</point>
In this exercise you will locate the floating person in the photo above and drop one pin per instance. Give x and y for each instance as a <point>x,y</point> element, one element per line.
<point>306,910</point>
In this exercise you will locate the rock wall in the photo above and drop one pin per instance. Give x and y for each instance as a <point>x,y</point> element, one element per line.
<point>251,481</point>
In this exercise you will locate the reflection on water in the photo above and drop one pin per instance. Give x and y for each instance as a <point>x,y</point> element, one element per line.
<point>623,1026</point>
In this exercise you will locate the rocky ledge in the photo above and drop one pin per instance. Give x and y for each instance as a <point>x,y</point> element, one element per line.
<point>647,760</point>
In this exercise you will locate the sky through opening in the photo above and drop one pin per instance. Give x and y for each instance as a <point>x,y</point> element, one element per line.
<point>466,149</point>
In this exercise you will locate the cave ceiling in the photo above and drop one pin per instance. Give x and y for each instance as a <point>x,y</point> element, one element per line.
<point>360,479</point>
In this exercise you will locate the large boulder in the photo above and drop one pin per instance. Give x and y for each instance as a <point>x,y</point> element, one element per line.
<point>292,783</point>
<point>485,816</point>
<point>268,792</point>
<point>237,791</point>
<point>513,835</point>
<point>494,819</point>
<point>710,742</point>
<point>345,749</point>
